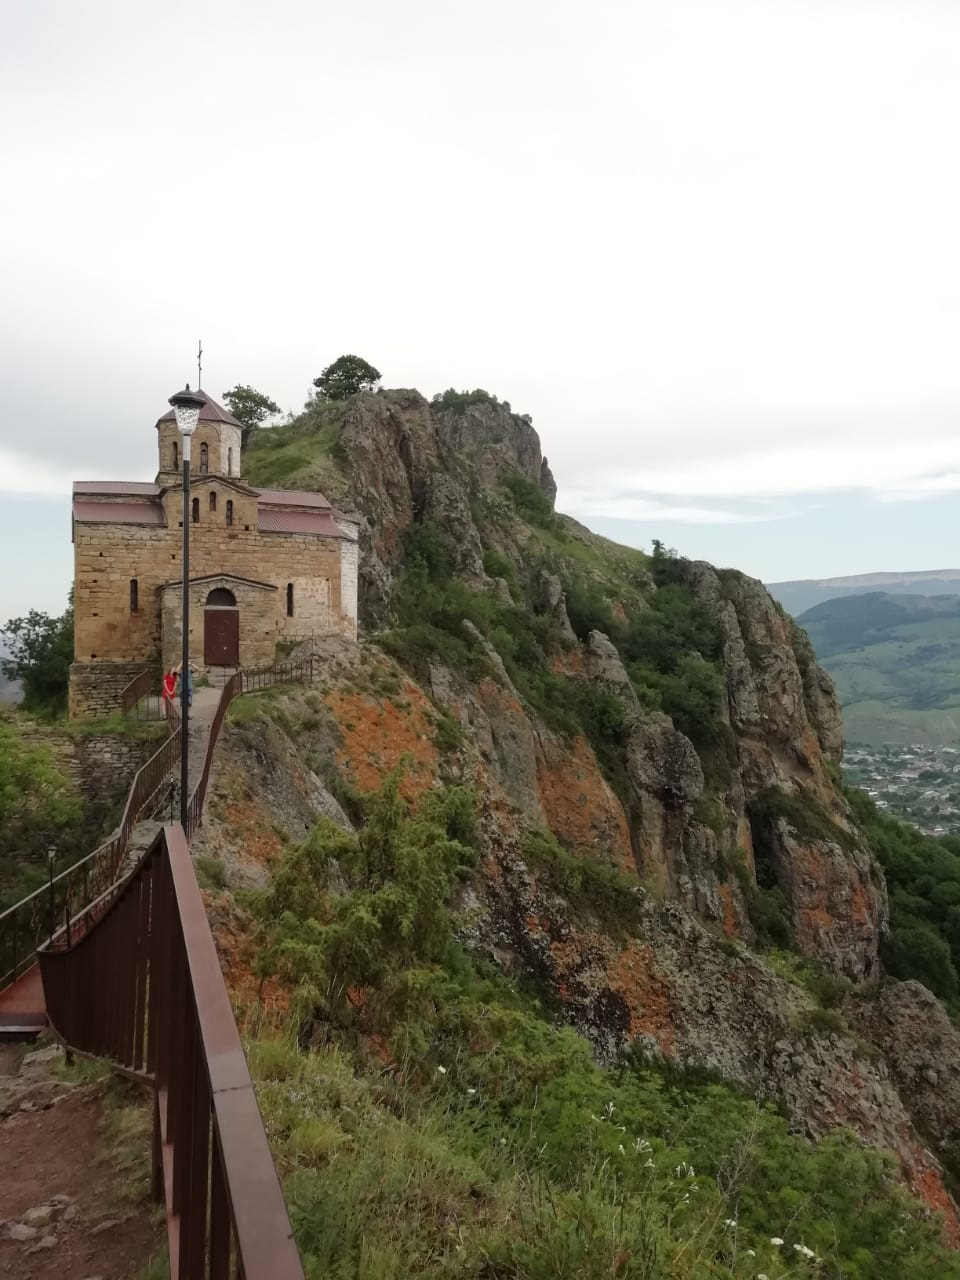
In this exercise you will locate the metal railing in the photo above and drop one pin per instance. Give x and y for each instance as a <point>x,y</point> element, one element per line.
<point>28,921</point>
<point>142,687</point>
<point>242,681</point>
<point>144,988</point>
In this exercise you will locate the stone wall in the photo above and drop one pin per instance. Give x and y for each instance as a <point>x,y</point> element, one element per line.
<point>95,687</point>
<point>102,765</point>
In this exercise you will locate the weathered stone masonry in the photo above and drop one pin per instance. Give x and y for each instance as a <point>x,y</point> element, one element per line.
<point>282,564</point>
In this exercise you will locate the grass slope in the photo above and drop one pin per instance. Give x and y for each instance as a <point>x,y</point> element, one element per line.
<point>896,663</point>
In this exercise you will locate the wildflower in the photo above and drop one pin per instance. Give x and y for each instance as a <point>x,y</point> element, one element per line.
<point>776,1241</point>
<point>648,1164</point>
<point>641,1145</point>
<point>608,1110</point>
<point>620,1148</point>
<point>471,1092</point>
<point>730,1222</point>
<point>442,1070</point>
<point>751,1253</point>
<point>804,1251</point>
<point>761,1275</point>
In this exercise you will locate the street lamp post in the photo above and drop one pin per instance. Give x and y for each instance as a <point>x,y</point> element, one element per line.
<point>186,408</point>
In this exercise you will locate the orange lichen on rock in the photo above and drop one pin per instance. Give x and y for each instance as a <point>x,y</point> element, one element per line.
<point>926,1182</point>
<point>250,831</point>
<point>569,663</point>
<point>254,1000</point>
<point>578,804</point>
<point>376,733</point>
<point>647,993</point>
<point>730,922</point>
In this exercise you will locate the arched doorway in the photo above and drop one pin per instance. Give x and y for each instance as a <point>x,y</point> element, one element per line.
<point>221,629</point>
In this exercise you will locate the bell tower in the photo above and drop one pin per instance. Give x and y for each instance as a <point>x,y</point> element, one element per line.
<point>215,450</point>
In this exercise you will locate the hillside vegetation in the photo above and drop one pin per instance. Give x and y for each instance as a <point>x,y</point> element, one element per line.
<point>559,944</point>
<point>896,663</point>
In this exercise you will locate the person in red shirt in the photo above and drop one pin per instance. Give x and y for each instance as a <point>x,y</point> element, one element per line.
<point>169,686</point>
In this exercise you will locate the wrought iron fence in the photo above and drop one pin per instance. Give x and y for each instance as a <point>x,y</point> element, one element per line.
<point>144,989</point>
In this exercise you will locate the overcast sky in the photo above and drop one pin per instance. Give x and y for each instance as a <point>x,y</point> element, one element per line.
<point>710,247</point>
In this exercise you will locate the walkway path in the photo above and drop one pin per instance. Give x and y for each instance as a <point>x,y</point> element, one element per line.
<point>74,1173</point>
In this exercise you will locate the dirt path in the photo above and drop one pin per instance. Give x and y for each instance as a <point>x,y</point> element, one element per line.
<point>74,1175</point>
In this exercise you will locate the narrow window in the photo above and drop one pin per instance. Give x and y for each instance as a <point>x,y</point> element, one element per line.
<point>134,595</point>
<point>176,456</point>
<point>196,511</point>
<point>229,511</point>
<point>229,462</point>
<point>289,599</point>
<point>213,501</point>
<point>204,459</point>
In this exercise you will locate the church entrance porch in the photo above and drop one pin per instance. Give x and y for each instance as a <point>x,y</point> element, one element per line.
<point>221,629</point>
<point>234,622</point>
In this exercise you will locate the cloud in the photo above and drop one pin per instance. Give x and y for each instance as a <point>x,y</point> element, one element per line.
<point>587,504</point>
<point>31,477</point>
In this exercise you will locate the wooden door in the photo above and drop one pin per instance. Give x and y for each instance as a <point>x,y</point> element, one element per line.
<point>221,637</point>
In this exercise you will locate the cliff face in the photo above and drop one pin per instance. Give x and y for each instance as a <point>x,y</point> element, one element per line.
<point>408,464</point>
<point>725,841</point>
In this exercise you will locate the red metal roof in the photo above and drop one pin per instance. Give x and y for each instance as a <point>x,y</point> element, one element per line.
<point>139,487</point>
<point>118,512</point>
<point>211,412</point>
<point>319,523</point>
<point>293,498</point>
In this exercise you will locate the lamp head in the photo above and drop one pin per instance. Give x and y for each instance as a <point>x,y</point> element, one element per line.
<point>186,409</point>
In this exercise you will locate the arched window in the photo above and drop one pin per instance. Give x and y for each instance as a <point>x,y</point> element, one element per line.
<point>204,459</point>
<point>213,501</point>
<point>229,462</point>
<point>176,456</point>
<point>221,596</point>
<point>229,511</point>
<point>289,599</point>
<point>196,511</point>
<point>134,595</point>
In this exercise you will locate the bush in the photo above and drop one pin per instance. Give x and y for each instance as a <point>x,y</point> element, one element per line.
<point>497,565</point>
<point>586,883</point>
<point>529,501</point>
<point>457,401</point>
<point>589,609</point>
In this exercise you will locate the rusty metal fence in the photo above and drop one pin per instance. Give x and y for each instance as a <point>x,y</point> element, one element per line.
<point>144,989</point>
<point>33,918</point>
<point>141,697</point>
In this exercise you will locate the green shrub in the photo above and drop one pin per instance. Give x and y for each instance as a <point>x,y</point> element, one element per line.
<point>822,1022</point>
<point>460,400</point>
<point>586,882</point>
<point>529,501</point>
<point>589,609</point>
<point>497,565</point>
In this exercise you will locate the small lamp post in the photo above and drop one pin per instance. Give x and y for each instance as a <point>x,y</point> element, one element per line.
<point>186,408</point>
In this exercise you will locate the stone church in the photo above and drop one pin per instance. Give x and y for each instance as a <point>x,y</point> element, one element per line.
<point>267,566</point>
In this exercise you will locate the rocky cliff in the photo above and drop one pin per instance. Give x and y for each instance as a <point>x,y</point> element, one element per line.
<point>655,716</point>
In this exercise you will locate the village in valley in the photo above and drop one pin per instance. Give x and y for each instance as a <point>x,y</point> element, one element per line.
<point>916,782</point>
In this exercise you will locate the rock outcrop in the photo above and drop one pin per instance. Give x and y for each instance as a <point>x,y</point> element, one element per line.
<point>757,818</point>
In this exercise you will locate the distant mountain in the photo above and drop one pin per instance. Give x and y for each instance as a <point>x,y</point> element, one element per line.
<point>797,597</point>
<point>896,663</point>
